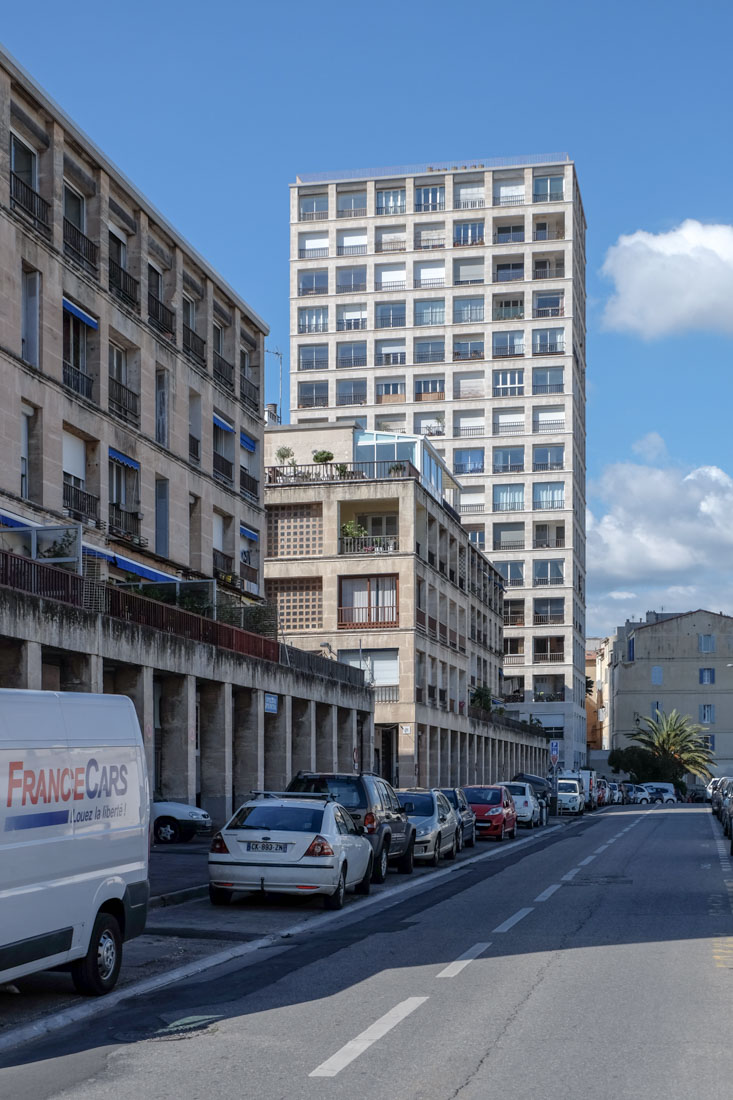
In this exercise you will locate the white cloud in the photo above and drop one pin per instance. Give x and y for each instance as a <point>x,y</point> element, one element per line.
<point>671,282</point>
<point>650,448</point>
<point>663,538</point>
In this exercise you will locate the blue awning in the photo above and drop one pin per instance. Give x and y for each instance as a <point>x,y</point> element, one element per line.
<point>117,456</point>
<point>11,521</point>
<point>84,317</point>
<point>222,424</point>
<point>247,442</point>
<point>248,533</point>
<point>131,566</point>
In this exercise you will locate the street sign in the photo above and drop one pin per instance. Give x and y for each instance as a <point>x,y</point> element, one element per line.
<point>554,752</point>
<point>271,702</point>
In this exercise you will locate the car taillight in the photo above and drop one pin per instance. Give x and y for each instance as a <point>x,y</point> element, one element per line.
<point>525,803</point>
<point>370,822</point>
<point>217,844</point>
<point>319,846</point>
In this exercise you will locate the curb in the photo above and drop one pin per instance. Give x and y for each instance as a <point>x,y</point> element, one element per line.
<point>177,897</point>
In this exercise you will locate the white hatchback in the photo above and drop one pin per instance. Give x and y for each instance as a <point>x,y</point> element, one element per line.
<point>290,844</point>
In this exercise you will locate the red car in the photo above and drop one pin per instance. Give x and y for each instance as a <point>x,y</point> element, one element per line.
<point>494,809</point>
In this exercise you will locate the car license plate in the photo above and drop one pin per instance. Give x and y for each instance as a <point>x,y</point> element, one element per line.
<point>265,846</point>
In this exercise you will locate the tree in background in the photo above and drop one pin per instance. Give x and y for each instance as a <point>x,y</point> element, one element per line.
<point>675,744</point>
<point>638,763</point>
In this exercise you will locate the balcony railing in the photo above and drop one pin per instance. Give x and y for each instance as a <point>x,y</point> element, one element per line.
<point>509,200</point>
<point>347,288</point>
<point>472,509</point>
<point>513,658</point>
<point>123,522</point>
<point>508,429</point>
<point>312,401</point>
<point>357,397</point>
<point>548,426</point>
<point>433,395</point>
<point>468,317</point>
<point>479,429</point>
<point>538,582</point>
<point>549,543</point>
<point>468,468</point>
<point>78,381</point>
<point>249,393</point>
<point>223,468</point>
<point>391,246</point>
<point>507,352</point>
<point>355,212</point>
<point>550,272</point>
<point>508,276</point>
<point>223,371</point>
<point>80,502</point>
<point>248,573</point>
<point>160,316</point>
<point>430,356</point>
<point>545,196</point>
<point>396,284</point>
<point>370,544</point>
<point>552,658</point>
<point>509,544</point>
<point>548,235</point>
<point>553,387</point>
<point>349,617</point>
<point>548,505</point>
<point>549,311</point>
<point>555,618</point>
<point>124,402</point>
<point>123,284</point>
<point>313,215</point>
<point>30,202</point>
<point>248,485</point>
<point>193,344</point>
<point>350,324</point>
<point>514,618</point>
<point>394,320</point>
<point>549,696</point>
<point>314,364</point>
<point>432,429</point>
<point>508,313</point>
<point>351,250</point>
<point>548,347</point>
<point>312,253</point>
<point>428,284</point>
<point>390,359</point>
<point>469,282</point>
<point>423,244</point>
<point>387,693</point>
<point>390,398</point>
<point>79,247</point>
<point>469,204</point>
<point>511,238</point>
<point>543,467</point>
<point>399,208</point>
<point>223,563</point>
<point>194,448</point>
<point>428,207</point>
<point>312,326</point>
<point>508,505</point>
<point>340,471</point>
<point>508,468</point>
<point>309,291</point>
<point>462,356</point>
<point>458,243</point>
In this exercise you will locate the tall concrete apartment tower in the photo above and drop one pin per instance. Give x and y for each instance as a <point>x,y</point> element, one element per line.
<point>449,300</point>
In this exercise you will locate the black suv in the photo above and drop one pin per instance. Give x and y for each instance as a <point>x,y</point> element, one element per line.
<point>372,803</point>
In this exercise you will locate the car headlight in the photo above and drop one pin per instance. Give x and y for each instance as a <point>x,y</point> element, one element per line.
<point>493,813</point>
<point>198,817</point>
<point>423,830</point>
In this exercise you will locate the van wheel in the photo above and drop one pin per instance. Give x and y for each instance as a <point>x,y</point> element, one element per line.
<point>219,896</point>
<point>166,830</point>
<point>379,874</point>
<point>97,972</point>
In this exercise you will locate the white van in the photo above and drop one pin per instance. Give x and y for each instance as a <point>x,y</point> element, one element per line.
<point>74,818</point>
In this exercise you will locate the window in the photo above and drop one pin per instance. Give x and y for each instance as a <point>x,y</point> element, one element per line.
<point>508,309</point>
<point>547,189</point>
<point>548,341</point>
<point>508,460</point>
<point>551,418</point>
<point>313,207</point>
<point>508,191</point>
<point>509,234</point>
<point>508,498</point>
<point>27,414</point>
<point>118,364</point>
<point>468,349</point>
<point>75,342</point>
<point>508,536</point>
<point>466,233</point>
<point>466,310</point>
<point>707,675</point>
<point>468,460</point>
<point>506,344</point>
<point>657,675</point>
<point>381,666</point>
<point>74,460</point>
<point>549,572</point>
<point>509,383</point>
<point>23,162</point>
<point>630,649</point>
<point>707,714</point>
<point>351,204</point>
<point>477,535</point>
<point>430,312</point>
<point>161,407</point>
<point>217,338</point>
<point>349,279</point>
<point>548,495</point>
<point>155,283</point>
<point>511,571</point>
<point>351,393</point>
<point>390,353</point>
<point>351,355</point>
<point>74,207</point>
<point>123,485</point>
<point>313,245</point>
<point>706,643</point>
<point>161,517</point>
<point>429,198</point>
<point>468,196</point>
<point>391,201</point>
<point>313,320</point>
<point>548,458</point>
<point>430,385</point>
<point>547,380</point>
<point>189,313</point>
<point>549,305</point>
<point>312,395</point>
<point>350,318</point>
<point>312,282</point>
<point>429,351</point>
<point>549,611</point>
<point>31,294</point>
<point>509,272</point>
<point>390,389</point>
<point>117,249</point>
<point>508,422</point>
<point>368,601</point>
<point>389,315</point>
<point>313,357</point>
<point>352,243</point>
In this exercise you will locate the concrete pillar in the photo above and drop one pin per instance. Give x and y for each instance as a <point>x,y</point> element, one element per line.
<point>346,738</point>
<point>32,665</point>
<point>136,682</point>
<point>455,758</point>
<point>215,740</point>
<point>366,754</point>
<point>248,757</point>
<point>178,756</point>
<point>434,756</point>
<point>278,745</point>
<point>21,665</point>
<point>444,772</point>
<point>304,735</point>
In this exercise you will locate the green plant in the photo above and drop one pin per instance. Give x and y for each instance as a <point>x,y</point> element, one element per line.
<point>481,697</point>
<point>342,469</point>
<point>352,529</point>
<point>675,743</point>
<point>397,468</point>
<point>285,455</point>
<point>323,456</point>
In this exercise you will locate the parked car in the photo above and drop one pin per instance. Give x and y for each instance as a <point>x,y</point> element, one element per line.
<point>588,782</point>
<point>616,794</point>
<point>570,797</point>
<point>726,799</point>
<point>542,789</point>
<point>661,792</point>
<point>717,796</point>
<point>710,788</point>
<point>627,792</point>
<point>466,817</point>
<point>290,844</point>
<point>436,824</point>
<point>178,821</point>
<point>494,809</point>
<point>602,794</point>
<point>373,803</point>
<point>525,803</point>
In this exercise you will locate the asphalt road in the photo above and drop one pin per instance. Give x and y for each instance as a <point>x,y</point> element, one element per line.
<point>596,962</point>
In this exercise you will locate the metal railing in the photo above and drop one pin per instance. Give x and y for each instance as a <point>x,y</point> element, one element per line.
<point>309,291</point>
<point>248,484</point>
<point>390,246</point>
<point>193,344</point>
<point>508,468</point>
<point>544,467</point>
<point>435,166</point>
<point>387,210</point>
<point>82,503</point>
<point>369,544</point>
<point>548,505</point>
<point>553,387</point>
<point>312,401</point>
<point>548,426</point>
<point>430,242</point>
<point>347,288</point>
<point>312,326</point>
<point>29,201</point>
<point>469,204</point>
<point>194,448</point>
<point>394,320</point>
<point>471,509</point>
<point>355,212</point>
<point>223,371</point>
<point>508,276</point>
<point>428,207</point>
<point>508,429</point>
<point>391,359</point>
<point>386,693</point>
<point>544,196</point>
<point>458,243</point>
<point>124,402</point>
<point>468,316</point>
<point>538,582</point>
<point>350,324</point>
<point>430,356</point>
<point>428,284</point>
<point>474,353</point>
<point>507,391</point>
<point>351,250</point>
<point>160,315</point>
<point>401,285</point>
<point>249,393</point>
<point>123,284</point>
<point>312,253</point>
<point>512,238</point>
<point>313,364</point>
<point>548,235</point>
<point>386,616</point>
<point>550,272</point>
<point>78,381</point>
<point>509,200</point>
<point>356,397</point>
<point>313,215</point>
<point>553,618</point>
<point>548,347</point>
<point>508,505</point>
<point>513,658</point>
<point>549,311</point>
<point>512,544</point>
<point>514,618</point>
<point>551,658</point>
<point>223,563</point>
<point>507,352</point>
<point>223,468</point>
<point>548,696</point>
<point>340,471</point>
<point>469,282</point>
<point>548,544</point>
<point>79,246</point>
<point>508,313</point>
<point>469,432</point>
<point>123,522</point>
<point>468,468</point>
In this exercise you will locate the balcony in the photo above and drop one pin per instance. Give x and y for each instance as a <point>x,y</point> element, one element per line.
<point>515,582</point>
<point>390,398</point>
<point>351,324</point>
<point>469,204</point>
<point>463,356</point>
<point>430,356</point>
<point>314,364</point>
<point>550,505</point>
<point>549,311</point>
<point>313,401</point>
<point>160,316</point>
<point>23,197</point>
<point>397,208</point>
<point>83,505</point>
<point>124,523</point>
<point>508,352</point>
<point>508,276</point>
<point>351,617</point>
<point>249,393</point>
<point>424,244</point>
<point>434,395</point>
<point>356,397</point>
<point>394,285</point>
<point>123,285</point>
<point>386,693</point>
<point>432,430</point>
<point>509,200</point>
<point>79,248</point>
<point>468,316</point>
<point>509,544</point>
<point>223,371</point>
<point>429,284</point>
<point>541,696</point>
<point>469,282</point>
<point>508,506</point>
<point>549,543</point>
<point>510,238</point>
<point>394,320</point>
<point>513,658</point>
<point>312,253</point>
<point>78,381</point>
<point>194,345</point>
<point>351,250</point>
<point>508,468</point>
<point>458,243</point>
<point>548,235</point>
<point>550,271</point>
<point>549,347</point>
<point>544,467</point>
<point>539,582</point>
<point>354,212</point>
<point>248,486</point>
<point>467,433</point>
<point>472,509</point>
<point>223,468</point>
<point>350,361</point>
<point>310,291</point>
<point>514,618</point>
<point>547,196</point>
<point>552,387</point>
<point>391,359</point>
<point>508,313</point>
<point>549,658</point>
<point>194,448</point>
<point>428,207</point>
<point>223,563</point>
<point>124,402</point>
<point>548,426</point>
<point>248,574</point>
<point>370,544</point>
<point>313,215</point>
<point>468,468</point>
<point>391,246</point>
<point>552,618</point>
<point>340,471</point>
<point>508,429</point>
<point>347,288</point>
<point>312,326</point>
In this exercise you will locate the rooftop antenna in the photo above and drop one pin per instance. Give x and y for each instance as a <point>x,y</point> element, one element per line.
<point>278,355</point>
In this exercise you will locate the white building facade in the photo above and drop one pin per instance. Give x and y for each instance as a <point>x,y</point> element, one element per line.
<point>449,300</point>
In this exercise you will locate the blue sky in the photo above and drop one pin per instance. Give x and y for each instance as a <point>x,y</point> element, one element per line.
<point>212,110</point>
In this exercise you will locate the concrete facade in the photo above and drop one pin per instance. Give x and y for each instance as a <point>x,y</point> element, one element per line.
<point>449,300</point>
<point>368,563</point>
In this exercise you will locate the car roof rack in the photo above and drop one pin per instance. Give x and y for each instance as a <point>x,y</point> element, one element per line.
<point>324,796</point>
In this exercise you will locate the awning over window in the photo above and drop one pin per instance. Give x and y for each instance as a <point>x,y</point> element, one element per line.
<point>84,317</point>
<point>248,533</point>
<point>131,566</point>
<point>247,442</point>
<point>222,424</point>
<point>125,460</point>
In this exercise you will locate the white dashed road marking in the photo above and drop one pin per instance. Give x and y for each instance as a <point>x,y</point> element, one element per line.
<point>570,875</point>
<point>586,861</point>
<point>511,921</point>
<point>548,892</point>
<point>463,960</point>
<point>362,1042</point>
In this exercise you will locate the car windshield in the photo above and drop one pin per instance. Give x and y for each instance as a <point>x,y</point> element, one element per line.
<point>423,803</point>
<point>451,796</point>
<point>567,787</point>
<point>349,792</point>
<point>283,819</point>
<point>483,796</point>
<point>517,788</point>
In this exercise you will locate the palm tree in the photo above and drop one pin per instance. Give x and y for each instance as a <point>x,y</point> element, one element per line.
<point>674,741</point>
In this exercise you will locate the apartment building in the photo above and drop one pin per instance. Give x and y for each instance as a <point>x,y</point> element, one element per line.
<point>671,662</point>
<point>367,561</point>
<point>131,370</point>
<point>448,301</point>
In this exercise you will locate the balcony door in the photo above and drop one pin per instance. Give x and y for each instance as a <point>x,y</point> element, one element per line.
<point>369,601</point>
